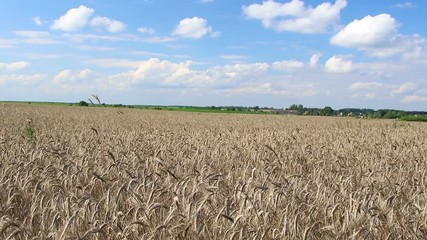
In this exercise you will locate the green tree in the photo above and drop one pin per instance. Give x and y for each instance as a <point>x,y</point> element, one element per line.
<point>327,111</point>
<point>298,107</point>
<point>82,104</point>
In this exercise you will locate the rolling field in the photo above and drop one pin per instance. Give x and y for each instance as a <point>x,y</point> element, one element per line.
<point>107,173</point>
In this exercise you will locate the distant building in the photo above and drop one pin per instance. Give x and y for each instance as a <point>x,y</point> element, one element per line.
<point>285,112</point>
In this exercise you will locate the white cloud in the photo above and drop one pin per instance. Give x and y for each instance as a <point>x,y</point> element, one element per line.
<point>405,5</point>
<point>215,34</point>
<point>29,79</point>
<point>22,79</point>
<point>74,19</point>
<point>378,36</point>
<point>338,64</point>
<point>380,70</point>
<point>156,72</point>
<point>193,28</point>
<point>35,37</point>
<point>314,59</point>
<point>251,81</point>
<point>404,88</point>
<point>38,21</point>
<point>15,66</point>
<point>365,85</point>
<point>78,18</point>
<point>146,30</point>
<point>293,16</point>
<point>150,72</point>
<point>287,65</point>
<point>205,1</point>
<point>32,34</point>
<point>62,76</point>
<point>108,24</point>
<point>386,90</point>
<point>367,32</point>
<point>260,88</point>
<point>414,99</point>
<point>67,76</point>
<point>268,88</point>
<point>229,73</point>
<point>84,73</point>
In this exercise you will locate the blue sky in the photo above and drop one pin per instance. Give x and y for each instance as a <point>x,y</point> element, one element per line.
<point>339,53</point>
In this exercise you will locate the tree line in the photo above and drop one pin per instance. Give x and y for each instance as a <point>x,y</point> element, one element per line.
<point>359,112</point>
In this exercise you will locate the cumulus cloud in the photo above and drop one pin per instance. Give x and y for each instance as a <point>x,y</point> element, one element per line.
<point>14,66</point>
<point>167,73</point>
<point>232,72</point>
<point>84,73</point>
<point>62,76</point>
<point>150,72</point>
<point>367,32</point>
<point>338,64</point>
<point>378,36</point>
<point>294,16</point>
<point>68,76</point>
<point>170,73</point>
<point>193,28</point>
<point>108,24</point>
<point>75,19</point>
<point>250,79</point>
<point>154,69</point>
<point>287,65</point>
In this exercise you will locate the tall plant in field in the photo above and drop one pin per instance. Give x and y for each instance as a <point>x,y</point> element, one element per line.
<point>29,131</point>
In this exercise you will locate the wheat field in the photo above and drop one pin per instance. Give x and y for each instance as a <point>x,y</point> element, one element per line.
<point>110,173</point>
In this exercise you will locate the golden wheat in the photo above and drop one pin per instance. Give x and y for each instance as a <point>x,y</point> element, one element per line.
<point>101,173</point>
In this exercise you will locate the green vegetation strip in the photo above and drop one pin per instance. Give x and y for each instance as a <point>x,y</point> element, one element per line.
<point>294,109</point>
<point>414,118</point>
